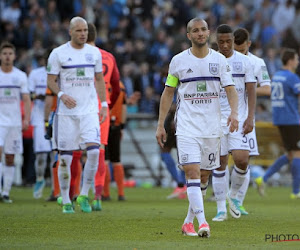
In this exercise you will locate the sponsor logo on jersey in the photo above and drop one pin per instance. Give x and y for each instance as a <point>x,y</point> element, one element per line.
<point>48,68</point>
<point>265,74</point>
<point>70,59</point>
<point>7,92</point>
<point>89,58</point>
<point>201,86</point>
<point>237,66</point>
<point>80,72</point>
<point>214,68</point>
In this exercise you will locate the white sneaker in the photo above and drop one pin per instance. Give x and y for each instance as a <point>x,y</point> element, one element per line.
<point>234,207</point>
<point>221,216</point>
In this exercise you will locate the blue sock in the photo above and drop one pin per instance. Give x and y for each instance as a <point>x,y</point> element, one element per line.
<point>278,164</point>
<point>171,166</point>
<point>296,175</point>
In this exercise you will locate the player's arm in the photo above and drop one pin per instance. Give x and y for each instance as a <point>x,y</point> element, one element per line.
<point>53,86</point>
<point>263,90</point>
<point>100,88</point>
<point>27,110</point>
<point>248,124</point>
<point>124,113</point>
<point>115,86</point>
<point>164,107</point>
<point>233,103</point>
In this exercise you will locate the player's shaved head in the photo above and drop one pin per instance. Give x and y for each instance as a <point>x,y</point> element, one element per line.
<point>194,20</point>
<point>76,20</point>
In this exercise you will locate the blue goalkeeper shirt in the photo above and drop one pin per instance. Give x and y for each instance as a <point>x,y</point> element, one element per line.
<point>284,95</point>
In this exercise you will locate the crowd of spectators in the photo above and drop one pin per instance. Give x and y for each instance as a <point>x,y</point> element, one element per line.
<point>144,35</point>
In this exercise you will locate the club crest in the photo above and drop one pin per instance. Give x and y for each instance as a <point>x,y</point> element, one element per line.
<point>214,68</point>
<point>89,58</point>
<point>237,67</point>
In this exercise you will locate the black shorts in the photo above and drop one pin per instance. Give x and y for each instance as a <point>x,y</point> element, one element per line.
<point>290,135</point>
<point>113,148</point>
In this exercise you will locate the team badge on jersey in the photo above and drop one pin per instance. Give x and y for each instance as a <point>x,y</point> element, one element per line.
<point>89,58</point>
<point>237,66</point>
<point>214,68</point>
<point>184,158</point>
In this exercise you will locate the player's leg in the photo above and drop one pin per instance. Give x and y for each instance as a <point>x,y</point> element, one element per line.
<point>41,148</point>
<point>76,170</point>
<point>189,159</point>
<point>296,174</point>
<point>90,134</point>
<point>219,182</point>
<point>99,180</point>
<point>244,188</point>
<point>12,145</point>
<point>118,169</point>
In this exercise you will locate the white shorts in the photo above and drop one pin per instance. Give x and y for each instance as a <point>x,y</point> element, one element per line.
<point>234,141</point>
<point>202,151</point>
<point>73,132</point>
<point>40,144</point>
<point>253,143</point>
<point>11,140</point>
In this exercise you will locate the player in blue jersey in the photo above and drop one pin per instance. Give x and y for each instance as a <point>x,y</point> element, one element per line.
<point>284,95</point>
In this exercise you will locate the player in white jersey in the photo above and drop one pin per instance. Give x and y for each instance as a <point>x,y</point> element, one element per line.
<point>37,87</point>
<point>13,86</point>
<point>242,44</point>
<point>75,76</point>
<point>197,73</point>
<point>235,143</point>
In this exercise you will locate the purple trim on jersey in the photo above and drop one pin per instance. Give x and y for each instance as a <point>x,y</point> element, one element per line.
<point>238,75</point>
<point>193,184</point>
<point>240,172</point>
<point>218,175</point>
<point>41,86</point>
<point>66,152</point>
<point>201,78</point>
<point>79,66</point>
<point>189,163</point>
<point>10,87</point>
<point>93,147</point>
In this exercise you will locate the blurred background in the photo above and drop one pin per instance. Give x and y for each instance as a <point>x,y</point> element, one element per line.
<point>143,36</point>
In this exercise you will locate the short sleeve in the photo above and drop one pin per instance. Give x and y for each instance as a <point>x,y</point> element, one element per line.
<point>172,79</point>
<point>296,84</point>
<point>98,62</point>
<point>225,73</point>
<point>249,74</point>
<point>24,84</point>
<point>31,82</point>
<point>53,66</point>
<point>263,77</point>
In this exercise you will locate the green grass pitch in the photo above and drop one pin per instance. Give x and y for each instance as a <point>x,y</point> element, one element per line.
<point>145,221</point>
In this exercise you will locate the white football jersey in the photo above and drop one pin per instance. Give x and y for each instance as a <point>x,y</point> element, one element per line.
<point>38,85</point>
<point>260,70</point>
<point>12,85</point>
<point>199,81</point>
<point>242,73</point>
<point>76,69</point>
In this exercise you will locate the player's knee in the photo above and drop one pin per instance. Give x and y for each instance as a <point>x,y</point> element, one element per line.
<point>192,173</point>
<point>204,178</point>
<point>93,155</point>
<point>241,163</point>
<point>9,159</point>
